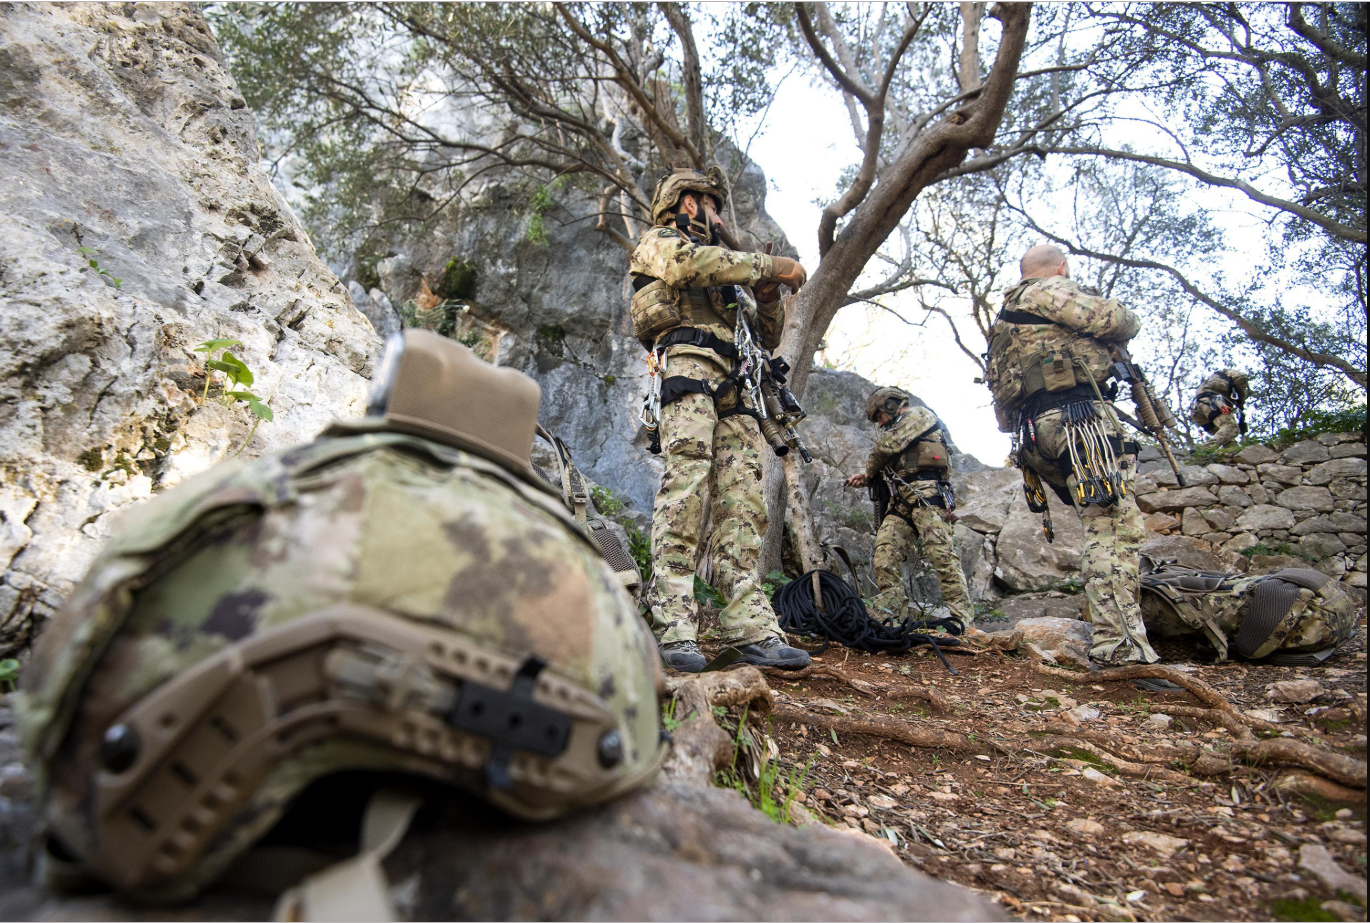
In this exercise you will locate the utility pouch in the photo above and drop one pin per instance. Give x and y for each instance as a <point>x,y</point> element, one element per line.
<point>655,308</point>
<point>1058,371</point>
<point>930,453</point>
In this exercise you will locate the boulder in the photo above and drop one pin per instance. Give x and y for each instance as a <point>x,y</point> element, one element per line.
<point>1028,606</point>
<point>976,552</point>
<point>1348,450</point>
<point>1182,551</point>
<point>1170,501</point>
<point>1308,452</point>
<point>1288,475</point>
<point>1025,560</point>
<point>983,498</point>
<point>1256,455</point>
<point>121,125</point>
<point>1194,476</point>
<point>1306,498</point>
<point>1336,468</point>
<point>1193,522</point>
<point>1062,640</point>
<point>1321,545</point>
<point>1315,524</point>
<point>1234,496</point>
<point>1348,489</point>
<point>1228,474</point>
<point>1265,516</point>
<point>1220,519</point>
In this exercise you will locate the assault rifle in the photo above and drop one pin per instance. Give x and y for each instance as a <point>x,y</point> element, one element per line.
<point>1155,416</point>
<point>761,391</point>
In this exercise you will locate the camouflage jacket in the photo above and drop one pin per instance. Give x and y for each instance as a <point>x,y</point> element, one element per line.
<point>1225,382</point>
<point>893,442</point>
<point>1079,325</point>
<point>699,271</point>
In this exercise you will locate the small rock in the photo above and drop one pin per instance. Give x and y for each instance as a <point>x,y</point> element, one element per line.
<point>1159,722</point>
<point>1097,777</point>
<point>1161,843</point>
<point>1314,858</point>
<point>882,801</point>
<point>1347,836</point>
<point>1294,691</point>
<point>1085,827</point>
<point>1085,713</point>
<point>1174,888</point>
<point>944,796</point>
<point>1273,715</point>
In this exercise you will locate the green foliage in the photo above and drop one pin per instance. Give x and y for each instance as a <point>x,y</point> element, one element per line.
<point>1309,908</point>
<point>92,264</point>
<point>773,581</point>
<point>537,205</point>
<point>458,280</point>
<point>9,673</point>
<point>668,719</point>
<point>236,377</point>
<point>1276,548</point>
<point>606,501</point>
<point>610,504</point>
<point>707,595</point>
<point>857,518</point>
<point>91,459</point>
<point>1349,420</point>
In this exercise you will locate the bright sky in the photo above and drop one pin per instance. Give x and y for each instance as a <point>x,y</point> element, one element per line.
<point>806,146</point>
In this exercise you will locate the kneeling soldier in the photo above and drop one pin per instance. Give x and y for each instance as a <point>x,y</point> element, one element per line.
<point>912,456</point>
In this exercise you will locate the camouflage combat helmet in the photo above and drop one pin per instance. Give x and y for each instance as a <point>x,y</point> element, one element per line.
<point>887,399</point>
<point>401,595</point>
<point>675,184</point>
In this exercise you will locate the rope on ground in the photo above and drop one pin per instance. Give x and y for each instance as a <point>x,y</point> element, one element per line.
<point>841,616</point>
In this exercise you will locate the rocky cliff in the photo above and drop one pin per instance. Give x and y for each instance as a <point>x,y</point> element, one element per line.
<point>122,133</point>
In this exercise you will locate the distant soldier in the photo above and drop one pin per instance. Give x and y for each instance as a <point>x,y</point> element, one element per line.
<point>1220,407</point>
<point>402,596</point>
<point>684,311</point>
<point>912,456</point>
<point>1048,370</point>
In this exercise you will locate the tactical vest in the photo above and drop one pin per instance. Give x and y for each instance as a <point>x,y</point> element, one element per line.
<point>925,458</point>
<point>1292,616</point>
<point>1029,355</point>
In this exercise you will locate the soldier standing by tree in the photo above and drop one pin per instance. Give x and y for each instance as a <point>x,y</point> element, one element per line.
<point>684,309</point>
<point>913,457</point>
<point>1048,369</point>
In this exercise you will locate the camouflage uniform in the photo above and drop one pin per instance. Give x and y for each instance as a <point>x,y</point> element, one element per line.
<point>1080,324</point>
<point>915,516</point>
<point>1215,403</point>
<point>706,457</point>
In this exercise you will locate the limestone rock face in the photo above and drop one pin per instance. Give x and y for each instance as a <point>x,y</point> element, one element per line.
<point>1026,561</point>
<point>119,123</point>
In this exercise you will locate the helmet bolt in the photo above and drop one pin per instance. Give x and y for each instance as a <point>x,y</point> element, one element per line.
<point>610,749</point>
<point>119,748</point>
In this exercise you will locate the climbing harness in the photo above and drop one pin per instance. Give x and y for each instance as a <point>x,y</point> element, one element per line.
<point>842,617</point>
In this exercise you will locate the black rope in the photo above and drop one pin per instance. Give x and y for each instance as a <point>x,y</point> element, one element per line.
<point>844,619</point>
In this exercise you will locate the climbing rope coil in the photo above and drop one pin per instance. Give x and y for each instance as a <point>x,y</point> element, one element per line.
<point>843,618</point>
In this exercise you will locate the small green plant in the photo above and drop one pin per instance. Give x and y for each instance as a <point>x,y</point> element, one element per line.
<point>1310,908</point>
<point>9,673</point>
<point>774,581</point>
<point>236,377</point>
<point>1283,548</point>
<point>707,595</point>
<point>92,264</point>
<point>606,501</point>
<point>537,228</point>
<point>668,718</point>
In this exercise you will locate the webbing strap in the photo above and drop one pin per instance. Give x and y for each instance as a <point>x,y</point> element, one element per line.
<point>693,336</point>
<point>356,888</point>
<point>1015,316</point>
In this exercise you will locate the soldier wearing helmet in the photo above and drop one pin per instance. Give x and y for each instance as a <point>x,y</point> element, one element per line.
<point>403,595</point>
<point>908,470</point>
<point>1220,407</point>
<point>1048,369</point>
<point>684,311</point>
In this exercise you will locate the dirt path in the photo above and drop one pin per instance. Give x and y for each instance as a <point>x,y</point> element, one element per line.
<point>1055,832</point>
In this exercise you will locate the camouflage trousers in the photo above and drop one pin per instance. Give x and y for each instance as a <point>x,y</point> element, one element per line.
<point>719,462</point>
<point>1223,428</point>
<point>893,542</point>
<point>1109,563</point>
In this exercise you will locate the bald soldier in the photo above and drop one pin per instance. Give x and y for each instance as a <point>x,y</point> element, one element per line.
<point>684,310</point>
<point>1049,365</point>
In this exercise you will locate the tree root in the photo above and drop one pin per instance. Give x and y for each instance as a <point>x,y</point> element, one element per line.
<point>1301,783</point>
<point>890,730</point>
<point>699,746</point>
<point>820,671</point>
<point>1285,752</point>
<point>1133,770</point>
<point>1195,687</point>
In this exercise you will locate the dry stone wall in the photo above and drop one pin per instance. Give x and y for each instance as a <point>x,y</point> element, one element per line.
<point>1301,506</point>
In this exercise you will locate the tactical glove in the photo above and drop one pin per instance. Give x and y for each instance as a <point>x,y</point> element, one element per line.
<point>787,272</point>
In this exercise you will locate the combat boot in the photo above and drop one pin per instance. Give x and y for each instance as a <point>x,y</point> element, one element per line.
<point>773,652</point>
<point>683,656</point>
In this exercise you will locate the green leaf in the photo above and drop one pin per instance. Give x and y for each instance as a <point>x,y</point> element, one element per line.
<point>208,346</point>
<point>93,264</point>
<point>244,374</point>
<point>227,368</point>
<point>262,411</point>
<point>85,251</point>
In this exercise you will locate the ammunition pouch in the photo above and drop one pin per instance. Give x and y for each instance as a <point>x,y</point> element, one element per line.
<point>655,308</point>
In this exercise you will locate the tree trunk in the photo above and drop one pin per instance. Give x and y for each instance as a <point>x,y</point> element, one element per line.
<point>914,167</point>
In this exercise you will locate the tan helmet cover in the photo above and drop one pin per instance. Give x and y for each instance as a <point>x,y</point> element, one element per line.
<point>666,198</point>
<point>880,395</point>
<point>372,600</point>
<point>441,390</point>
